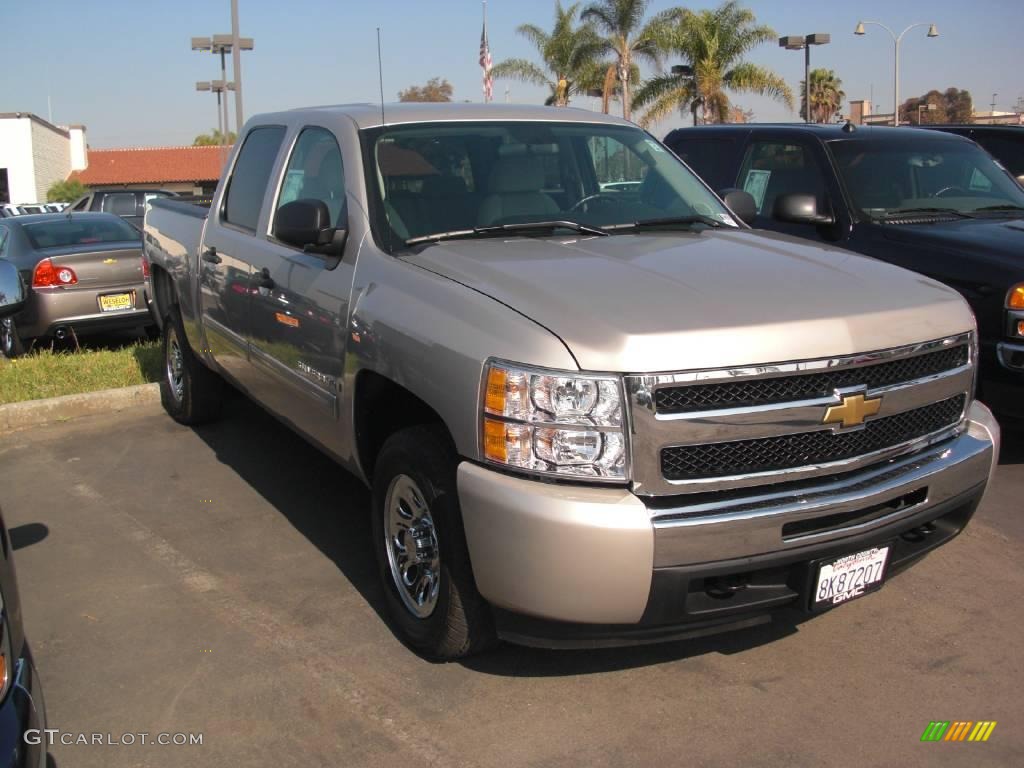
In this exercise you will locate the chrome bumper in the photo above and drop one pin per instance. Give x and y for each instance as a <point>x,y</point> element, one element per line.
<point>588,555</point>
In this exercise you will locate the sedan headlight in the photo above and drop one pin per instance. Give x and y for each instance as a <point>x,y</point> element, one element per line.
<point>553,422</point>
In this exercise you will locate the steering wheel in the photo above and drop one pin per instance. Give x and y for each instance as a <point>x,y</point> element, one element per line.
<point>944,190</point>
<point>603,197</point>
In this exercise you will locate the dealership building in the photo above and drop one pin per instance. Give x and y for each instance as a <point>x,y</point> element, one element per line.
<point>35,154</point>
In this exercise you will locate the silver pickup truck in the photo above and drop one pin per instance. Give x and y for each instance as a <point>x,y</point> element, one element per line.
<point>594,407</point>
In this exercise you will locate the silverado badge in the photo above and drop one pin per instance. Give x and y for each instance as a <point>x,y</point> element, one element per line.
<point>853,411</point>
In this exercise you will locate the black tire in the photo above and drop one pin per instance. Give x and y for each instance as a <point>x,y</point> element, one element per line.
<point>189,391</point>
<point>11,345</point>
<point>460,622</point>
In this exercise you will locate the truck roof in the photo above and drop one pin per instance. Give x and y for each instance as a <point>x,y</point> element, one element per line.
<point>368,115</point>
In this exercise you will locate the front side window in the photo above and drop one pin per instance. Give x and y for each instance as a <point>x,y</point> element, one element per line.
<point>248,182</point>
<point>61,231</point>
<point>771,169</point>
<point>711,159</point>
<point>315,172</point>
<point>436,178</point>
<point>893,177</point>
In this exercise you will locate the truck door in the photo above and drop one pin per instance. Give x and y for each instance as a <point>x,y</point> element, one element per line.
<point>226,287</point>
<point>300,310</point>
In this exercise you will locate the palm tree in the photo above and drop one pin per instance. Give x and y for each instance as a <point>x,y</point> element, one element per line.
<point>714,44</point>
<point>568,52</point>
<point>826,96</point>
<point>628,38</point>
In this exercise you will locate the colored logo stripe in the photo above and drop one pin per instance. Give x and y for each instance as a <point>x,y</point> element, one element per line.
<point>958,730</point>
<point>982,730</point>
<point>935,730</point>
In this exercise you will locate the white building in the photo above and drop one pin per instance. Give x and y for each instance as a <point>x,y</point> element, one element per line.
<point>34,154</point>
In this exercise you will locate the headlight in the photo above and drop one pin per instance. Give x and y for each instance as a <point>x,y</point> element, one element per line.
<point>554,423</point>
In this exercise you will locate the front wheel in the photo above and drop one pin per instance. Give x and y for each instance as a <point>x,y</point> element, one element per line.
<point>421,547</point>
<point>189,391</point>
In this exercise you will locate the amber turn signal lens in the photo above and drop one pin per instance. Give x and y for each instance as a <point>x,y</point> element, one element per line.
<point>497,379</point>
<point>495,447</point>
<point>1020,327</point>
<point>1016,298</point>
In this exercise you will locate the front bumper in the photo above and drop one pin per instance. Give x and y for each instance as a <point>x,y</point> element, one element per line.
<point>570,566</point>
<point>49,309</point>
<point>23,710</point>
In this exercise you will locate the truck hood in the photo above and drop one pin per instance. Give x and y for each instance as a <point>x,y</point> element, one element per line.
<point>665,302</point>
<point>995,241</point>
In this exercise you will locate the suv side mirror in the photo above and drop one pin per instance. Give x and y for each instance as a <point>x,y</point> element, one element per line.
<point>799,209</point>
<point>306,224</point>
<point>741,203</point>
<point>12,290</point>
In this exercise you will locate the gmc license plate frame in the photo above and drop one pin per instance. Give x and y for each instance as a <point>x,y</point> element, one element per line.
<point>867,570</point>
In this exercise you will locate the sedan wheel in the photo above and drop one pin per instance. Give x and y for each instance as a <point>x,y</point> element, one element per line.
<point>10,344</point>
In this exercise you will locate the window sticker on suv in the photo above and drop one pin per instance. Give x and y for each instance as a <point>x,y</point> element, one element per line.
<point>756,183</point>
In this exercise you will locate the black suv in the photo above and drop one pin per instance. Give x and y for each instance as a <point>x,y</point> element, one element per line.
<point>1004,142</point>
<point>129,204</point>
<point>932,202</point>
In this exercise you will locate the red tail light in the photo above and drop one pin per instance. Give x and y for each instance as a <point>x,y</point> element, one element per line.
<point>47,274</point>
<point>145,268</point>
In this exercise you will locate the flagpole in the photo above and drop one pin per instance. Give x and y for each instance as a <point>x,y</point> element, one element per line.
<point>488,45</point>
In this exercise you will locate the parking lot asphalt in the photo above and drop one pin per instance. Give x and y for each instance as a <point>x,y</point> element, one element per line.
<point>219,581</point>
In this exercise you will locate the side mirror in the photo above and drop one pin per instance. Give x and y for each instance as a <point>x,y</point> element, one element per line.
<point>12,290</point>
<point>799,209</point>
<point>741,203</point>
<point>306,224</point>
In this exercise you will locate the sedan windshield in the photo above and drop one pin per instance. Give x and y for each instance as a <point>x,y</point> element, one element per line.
<point>442,180</point>
<point>888,179</point>
<point>62,231</point>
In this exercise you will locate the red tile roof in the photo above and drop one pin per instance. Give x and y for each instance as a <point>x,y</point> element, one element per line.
<point>151,165</point>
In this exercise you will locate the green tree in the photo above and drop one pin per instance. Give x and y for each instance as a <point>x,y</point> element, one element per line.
<point>214,138</point>
<point>950,106</point>
<point>713,45</point>
<point>66,191</point>
<point>569,54</point>
<point>827,96</point>
<point>436,89</point>
<point>629,37</point>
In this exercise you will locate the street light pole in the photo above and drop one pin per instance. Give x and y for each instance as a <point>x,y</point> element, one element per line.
<point>795,43</point>
<point>236,64</point>
<point>896,39</point>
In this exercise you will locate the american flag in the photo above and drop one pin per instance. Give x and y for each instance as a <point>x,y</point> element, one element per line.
<point>486,63</point>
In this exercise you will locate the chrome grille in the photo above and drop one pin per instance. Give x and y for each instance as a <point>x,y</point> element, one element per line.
<point>708,430</point>
<point>781,389</point>
<point>797,450</point>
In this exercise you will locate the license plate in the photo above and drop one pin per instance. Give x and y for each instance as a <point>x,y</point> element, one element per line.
<point>849,576</point>
<point>114,302</point>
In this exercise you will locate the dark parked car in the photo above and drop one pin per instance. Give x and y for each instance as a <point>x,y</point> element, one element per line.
<point>932,202</point>
<point>1004,142</point>
<point>83,272</point>
<point>129,204</point>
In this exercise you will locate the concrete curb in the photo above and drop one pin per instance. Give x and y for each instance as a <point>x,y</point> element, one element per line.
<point>33,413</point>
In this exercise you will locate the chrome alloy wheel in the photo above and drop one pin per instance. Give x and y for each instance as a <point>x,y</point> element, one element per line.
<point>7,336</point>
<point>411,542</point>
<point>175,364</point>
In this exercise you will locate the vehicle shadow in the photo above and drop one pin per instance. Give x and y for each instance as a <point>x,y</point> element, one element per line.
<point>326,504</point>
<point>26,535</point>
<point>331,508</point>
<point>1012,449</point>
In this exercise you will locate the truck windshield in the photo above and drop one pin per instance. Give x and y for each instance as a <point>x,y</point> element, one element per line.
<point>429,179</point>
<point>890,178</point>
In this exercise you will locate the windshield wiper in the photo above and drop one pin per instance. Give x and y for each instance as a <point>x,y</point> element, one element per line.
<point>498,229</point>
<point>999,208</point>
<point>898,212</point>
<point>669,221</point>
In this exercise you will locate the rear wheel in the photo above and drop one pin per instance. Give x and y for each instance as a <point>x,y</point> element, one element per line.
<point>189,391</point>
<point>421,547</point>
<point>10,342</point>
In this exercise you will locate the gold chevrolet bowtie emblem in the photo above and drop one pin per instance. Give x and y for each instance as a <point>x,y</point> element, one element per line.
<point>110,261</point>
<point>853,411</point>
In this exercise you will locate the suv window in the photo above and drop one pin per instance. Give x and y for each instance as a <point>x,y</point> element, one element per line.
<point>315,171</point>
<point>249,181</point>
<point>81,204</point>
<point>617,168</point>
<point>711,159</point>
<point>1007,151</point>
<point>120,203</point>
<point>774,168</point>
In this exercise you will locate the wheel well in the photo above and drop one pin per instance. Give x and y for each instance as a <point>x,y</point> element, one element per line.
<point>164,296</point>
<point>382,408</point>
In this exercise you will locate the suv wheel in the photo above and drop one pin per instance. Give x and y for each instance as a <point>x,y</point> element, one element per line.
<point>421,547</point>
<point>10,343</point>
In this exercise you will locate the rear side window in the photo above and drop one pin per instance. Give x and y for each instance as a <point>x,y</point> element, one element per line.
<point>120,204</point>
<point>248,183</point>
<point>1007,151</point>
<point>711,159</point>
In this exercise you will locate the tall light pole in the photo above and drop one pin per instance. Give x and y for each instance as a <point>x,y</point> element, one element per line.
<point>220,87</point>
<point>795,43</point>
<point>239,44</point>
<point>896,39</point>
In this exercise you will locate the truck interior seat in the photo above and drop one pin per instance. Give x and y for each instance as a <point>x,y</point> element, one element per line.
<point>515,191</point>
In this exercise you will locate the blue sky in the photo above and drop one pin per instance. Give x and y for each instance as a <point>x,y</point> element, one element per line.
<point>124,68</point>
